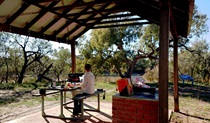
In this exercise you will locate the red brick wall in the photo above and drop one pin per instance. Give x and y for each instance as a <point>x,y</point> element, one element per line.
<point>131,110</point>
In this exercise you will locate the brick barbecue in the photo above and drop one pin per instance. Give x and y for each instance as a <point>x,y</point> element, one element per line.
<point>135,109</point>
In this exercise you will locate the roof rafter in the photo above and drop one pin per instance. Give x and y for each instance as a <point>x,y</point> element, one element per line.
<point>14,16</point>
<point>40,1</point>
<point>84,4</point>
<point>90,26</point>
<point>21,31</point>
<point>41,14</point>
<point>92,16</point>
<point>56,19</point>
<point>108,17</point>
<point>54,12</point>
<point>69,22</point>
<point>114,10</point>
<point>120,20</point>
<point>118,25</point>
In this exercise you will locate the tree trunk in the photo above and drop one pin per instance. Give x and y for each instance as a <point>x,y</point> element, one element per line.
<point>22,73</point>
<point>40,76</point>
<point>7,73</point>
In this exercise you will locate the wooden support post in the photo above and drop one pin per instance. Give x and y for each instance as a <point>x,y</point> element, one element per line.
<point>176,90</point>
<point>73,57</point>
<point>163,61</point>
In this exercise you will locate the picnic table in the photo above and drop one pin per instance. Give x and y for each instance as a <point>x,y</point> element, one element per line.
<point>49,91</point>
<point>186,77</point>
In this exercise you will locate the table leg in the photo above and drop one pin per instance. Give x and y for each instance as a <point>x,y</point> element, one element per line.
<point>43,113</point>
<point>64,99</point>
<point>61,104</point>
<point>98,102</point>
<point>82,109</point>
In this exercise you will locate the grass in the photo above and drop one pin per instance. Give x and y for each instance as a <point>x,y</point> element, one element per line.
<point>110,89</point>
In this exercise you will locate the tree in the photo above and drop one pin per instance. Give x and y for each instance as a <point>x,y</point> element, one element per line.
<point>4,59</point>
<point>117,49</point>
<point>196,63</point>
<point>61,62</point>
<point>30,50</point>
<point>120,48</point>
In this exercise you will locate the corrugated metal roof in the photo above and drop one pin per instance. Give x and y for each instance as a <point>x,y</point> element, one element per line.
<point>65,20</point>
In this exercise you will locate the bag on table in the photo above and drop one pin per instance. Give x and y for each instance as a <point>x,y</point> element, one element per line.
<point>125,87</point>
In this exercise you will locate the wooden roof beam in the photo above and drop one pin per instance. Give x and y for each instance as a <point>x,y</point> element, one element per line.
<point>88,27</point>
<point>69,22</point>
<point>41,14</point>
<point>149,18</point>
<point>103,7</point>
<point>114,10</point>
<point>71,31</point>
<point>147,9</point>
<point>21,31</point>
<point>118,25</point>
<point>56,19</point>
<point>84,4</point>
<point>56,13</point>
<point>40,1</point>
<point>122,20</point>
<point>78,26</point>
<point>151,3</point>
<point>108,17</point>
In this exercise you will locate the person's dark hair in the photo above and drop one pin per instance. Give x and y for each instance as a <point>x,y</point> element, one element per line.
<point>87,66</point>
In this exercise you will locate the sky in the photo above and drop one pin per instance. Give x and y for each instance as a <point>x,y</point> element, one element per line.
<point>203,7</point>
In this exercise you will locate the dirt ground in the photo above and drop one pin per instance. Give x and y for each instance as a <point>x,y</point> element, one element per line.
<point>18,105</point>
<point>194,104</point>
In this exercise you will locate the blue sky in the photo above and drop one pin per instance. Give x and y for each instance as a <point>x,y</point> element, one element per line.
<point>204,8</point>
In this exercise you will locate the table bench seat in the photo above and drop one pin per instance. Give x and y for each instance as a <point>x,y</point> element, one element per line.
<point>83,97</point>
<point>87,96</point>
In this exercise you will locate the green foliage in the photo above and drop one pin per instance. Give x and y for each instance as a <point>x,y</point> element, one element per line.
<point>113,49</point>
<point>19,54</point>
<point>110,89</point>
<point>7,86</point>
<point>199,25</point>
<point>151,74</point>
<point>4,101</point>
<point>196,63</point>
<point>61,63</point>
